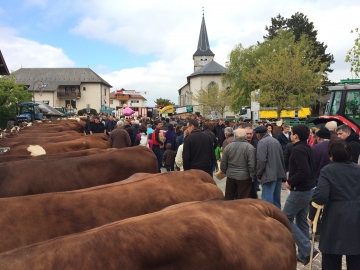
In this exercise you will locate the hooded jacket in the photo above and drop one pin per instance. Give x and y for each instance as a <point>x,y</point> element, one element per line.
<point>353,140</point>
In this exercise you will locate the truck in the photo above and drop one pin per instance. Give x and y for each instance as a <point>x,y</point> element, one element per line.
<point>342,107</point>
<point>30,111</point>
<point>67,112</point>
<point>272,114</point>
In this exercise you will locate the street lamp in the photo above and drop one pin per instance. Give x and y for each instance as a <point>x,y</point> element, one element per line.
<point>41,85</point>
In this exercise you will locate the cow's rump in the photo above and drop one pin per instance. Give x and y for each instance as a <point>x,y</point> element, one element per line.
<point>30,219</point>
<point>239,234</point>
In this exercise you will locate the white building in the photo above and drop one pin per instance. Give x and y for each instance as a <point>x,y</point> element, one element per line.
<point>78,88</point>
<point>206,72</point>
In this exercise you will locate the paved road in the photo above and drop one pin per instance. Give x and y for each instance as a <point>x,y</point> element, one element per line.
<point>317,263</point>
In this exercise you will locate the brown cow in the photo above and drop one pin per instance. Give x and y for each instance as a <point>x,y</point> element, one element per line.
<point>86,142</point>
<point>81,153</point>
<point>38,140</point>
<point>28,177</point>
<point>55,127</point>
<point>238,234</point>
<point>30,219</point>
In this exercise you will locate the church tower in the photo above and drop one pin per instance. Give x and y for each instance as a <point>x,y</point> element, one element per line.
<point>203,54</point>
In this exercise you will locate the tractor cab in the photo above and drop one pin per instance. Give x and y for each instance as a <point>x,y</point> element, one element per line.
<point>29,111</point>
<point>343,106</point>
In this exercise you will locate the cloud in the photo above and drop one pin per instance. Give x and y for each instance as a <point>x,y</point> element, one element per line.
<point>20,52</point>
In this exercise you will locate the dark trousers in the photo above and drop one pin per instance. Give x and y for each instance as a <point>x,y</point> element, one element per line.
<point>333,262</point>
<point>240,187</point>
<point>159,154</point>
<point>169,167</point>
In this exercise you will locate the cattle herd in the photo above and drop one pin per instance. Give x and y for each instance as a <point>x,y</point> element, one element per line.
<point>69,201</point>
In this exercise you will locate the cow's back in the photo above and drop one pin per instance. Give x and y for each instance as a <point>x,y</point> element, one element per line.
<point>28,177</point>
<point>27,220</point>
<point>239,234</point>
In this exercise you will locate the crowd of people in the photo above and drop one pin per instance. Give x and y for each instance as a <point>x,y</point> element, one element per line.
<point>319,165</point>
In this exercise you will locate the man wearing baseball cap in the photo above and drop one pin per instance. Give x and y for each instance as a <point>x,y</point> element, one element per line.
<point>321,149</point>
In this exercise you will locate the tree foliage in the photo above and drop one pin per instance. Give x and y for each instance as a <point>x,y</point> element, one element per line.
<point>299,24</point>
<point>11,94</point>
<point>353,55</point>
<point>281,68</point>
<point>163,102</point>
<point>240,61</point>
<point>213,99</point>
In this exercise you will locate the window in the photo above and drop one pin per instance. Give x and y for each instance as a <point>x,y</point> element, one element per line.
<point>134,101</point>
<point>335,106</point>
<point>70,104</point>
<point>111,101</point>
<point>352,106</point>
<point>84,88</point>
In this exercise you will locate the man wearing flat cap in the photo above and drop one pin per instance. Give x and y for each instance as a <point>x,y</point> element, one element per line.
<point>321,149</point>
<point>270,167</point>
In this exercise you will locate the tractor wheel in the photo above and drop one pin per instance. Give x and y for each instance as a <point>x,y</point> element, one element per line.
<point>10,124</point>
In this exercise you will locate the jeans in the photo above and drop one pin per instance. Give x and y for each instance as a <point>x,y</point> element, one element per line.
<point>271,192</point>
<point>159,154</point>
<point>297,206</point>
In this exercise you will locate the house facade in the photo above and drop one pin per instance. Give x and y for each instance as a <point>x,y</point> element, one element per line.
<point>207,72</point>
<point>129,97</point>
<point>77,88</point>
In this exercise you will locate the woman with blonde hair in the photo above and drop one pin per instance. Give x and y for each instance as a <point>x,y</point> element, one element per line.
<point>179,158</point>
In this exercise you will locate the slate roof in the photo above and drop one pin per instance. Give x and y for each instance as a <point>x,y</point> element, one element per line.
<point>3,67</point>
<point>55,77</point>
<point>211,68</point>
<point>203,48</point>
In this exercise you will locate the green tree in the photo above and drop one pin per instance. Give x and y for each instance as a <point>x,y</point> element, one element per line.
<point>163,102</point>
<point>353,55</point>
<point>11,94</point>
<point>285,73</point>
<point>299,24</point>
<point>240,61</point>
<point>213,99</point>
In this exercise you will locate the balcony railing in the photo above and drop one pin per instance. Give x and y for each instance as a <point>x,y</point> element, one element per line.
<point>69,94</point>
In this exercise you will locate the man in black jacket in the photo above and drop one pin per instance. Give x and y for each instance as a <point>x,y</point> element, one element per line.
<point>219,131</point>
<point>301,182</point>
<point>344,133</point>
<point>284,137</point>
<point>198,151</point>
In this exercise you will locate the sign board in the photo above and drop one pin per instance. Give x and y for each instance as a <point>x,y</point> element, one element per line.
<point>87,110</point>
<point>255,105</point>
<point>186,109</point>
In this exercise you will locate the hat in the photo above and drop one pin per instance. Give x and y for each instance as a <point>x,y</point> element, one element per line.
<point>323,133</point>
<point>261,129</point>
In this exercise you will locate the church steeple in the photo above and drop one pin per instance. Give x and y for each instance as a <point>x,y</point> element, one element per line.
<point>203,54</point>
<point>203,48</point>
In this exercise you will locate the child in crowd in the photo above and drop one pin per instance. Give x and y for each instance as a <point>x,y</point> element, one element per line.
<point>169,158</point>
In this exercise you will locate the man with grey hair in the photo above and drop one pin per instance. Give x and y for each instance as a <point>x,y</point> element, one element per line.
<point>238,163</point>
<point>345,133</point>
<point>119,138</point>
<point>332,126</point>
<point>229,135</point>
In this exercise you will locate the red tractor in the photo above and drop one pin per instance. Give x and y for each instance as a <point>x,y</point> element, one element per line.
<point>343,106</point>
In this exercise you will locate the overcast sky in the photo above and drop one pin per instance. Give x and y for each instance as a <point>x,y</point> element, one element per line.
<point>148,45</point>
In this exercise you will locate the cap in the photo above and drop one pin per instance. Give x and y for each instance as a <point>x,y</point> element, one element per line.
<point>261,129</point>
<point>323,133</point>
